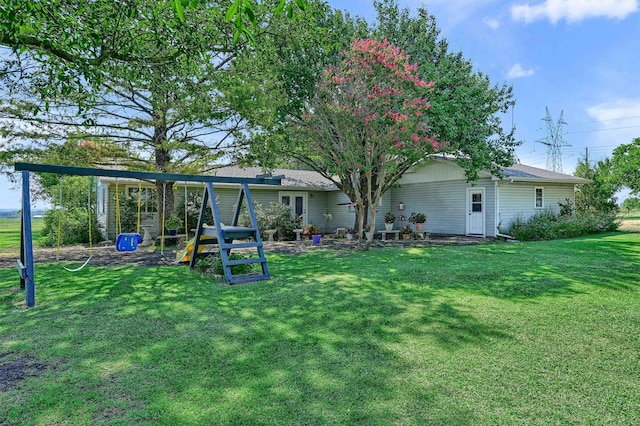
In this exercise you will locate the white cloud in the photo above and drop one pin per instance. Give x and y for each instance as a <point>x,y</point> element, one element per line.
<point>517,71</point>
<point>617,121</point>
<point>621,109</point>
<point>574,10</point>
<point>492,23</point>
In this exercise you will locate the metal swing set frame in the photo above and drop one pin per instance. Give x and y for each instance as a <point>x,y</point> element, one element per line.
<point>222,235</point>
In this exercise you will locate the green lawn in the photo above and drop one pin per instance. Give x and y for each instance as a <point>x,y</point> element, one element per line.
<point>10,232</point>
<point>524,333</point>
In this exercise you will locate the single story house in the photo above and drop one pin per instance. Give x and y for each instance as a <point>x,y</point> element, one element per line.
<point>436,187</point>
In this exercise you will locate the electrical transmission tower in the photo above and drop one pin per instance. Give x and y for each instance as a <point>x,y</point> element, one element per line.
<point>554,142</point>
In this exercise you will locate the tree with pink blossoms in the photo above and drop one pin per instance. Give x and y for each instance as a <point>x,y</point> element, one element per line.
<point>368,124</point>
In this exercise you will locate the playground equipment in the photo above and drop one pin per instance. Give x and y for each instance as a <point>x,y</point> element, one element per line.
<point>60,233</point>
<point>127,241</point>
<point>223,235</point>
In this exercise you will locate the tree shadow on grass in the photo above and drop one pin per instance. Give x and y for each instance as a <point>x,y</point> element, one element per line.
<point>334,338</point>
<point>307,348</point>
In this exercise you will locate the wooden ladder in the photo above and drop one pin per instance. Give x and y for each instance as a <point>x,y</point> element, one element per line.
<point>225,235</point>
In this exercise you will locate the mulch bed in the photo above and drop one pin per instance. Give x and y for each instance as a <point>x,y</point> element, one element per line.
<point>106,255</point>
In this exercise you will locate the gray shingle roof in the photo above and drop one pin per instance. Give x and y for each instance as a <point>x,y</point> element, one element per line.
<point>292,178</point>
<point>522,172</point>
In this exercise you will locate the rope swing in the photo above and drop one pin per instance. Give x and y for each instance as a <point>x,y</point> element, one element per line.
<point>60,232</point>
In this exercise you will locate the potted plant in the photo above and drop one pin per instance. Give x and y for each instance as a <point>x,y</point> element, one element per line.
<point>350,232</point>
<point>418,219</point>
<point>173,224</point>
<point>406,232</point>
<point>313,231</point>
<point>389,219</point>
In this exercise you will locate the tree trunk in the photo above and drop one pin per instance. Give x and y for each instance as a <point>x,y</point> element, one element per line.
<point>360,222</point>
<point>164,189</point>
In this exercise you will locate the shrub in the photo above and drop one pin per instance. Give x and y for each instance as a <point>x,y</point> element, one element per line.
<point>194,203</point>
<point>213,264</point>
<point>547,225</point>
<point>277,216</point>
<point>74,228</point>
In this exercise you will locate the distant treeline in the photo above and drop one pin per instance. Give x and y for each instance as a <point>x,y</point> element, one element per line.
<point>11,214</point>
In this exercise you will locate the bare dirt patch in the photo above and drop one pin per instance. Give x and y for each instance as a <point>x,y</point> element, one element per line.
<point>630,225</point>
<point>14,368</point>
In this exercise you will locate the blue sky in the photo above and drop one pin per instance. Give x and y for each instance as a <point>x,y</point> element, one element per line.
<point>576,56</point>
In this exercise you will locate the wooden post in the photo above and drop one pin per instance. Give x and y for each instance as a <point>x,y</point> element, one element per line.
<point>26,255</point>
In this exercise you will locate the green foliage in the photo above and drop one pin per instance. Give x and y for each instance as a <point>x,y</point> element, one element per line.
<point>567,208</point>
<point>174,222</point>
<point>417,217</point>
<point>277,216</point>
<point>597,196</point>
<point>547,225</point>
<point>406,230</point>
<point>626,165</point>
<point>212,264</point>
<point>149,84</point>
<point>194,204</point>
<point>70,192</point>
<point>632,203</point>
<point>73,225</point>
<point>466,108</point>
<point>311,229</point>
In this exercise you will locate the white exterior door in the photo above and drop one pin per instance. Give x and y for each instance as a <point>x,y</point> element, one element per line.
<point>297,202</point>
<point>475,211</point>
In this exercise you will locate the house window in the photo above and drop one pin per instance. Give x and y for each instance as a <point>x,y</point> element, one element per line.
<point>539,197</point>
<point>102,197</point>
<point>147,199</point>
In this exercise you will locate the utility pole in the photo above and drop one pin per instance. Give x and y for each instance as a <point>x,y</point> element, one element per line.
<point>554,142</point>
<point>586,157</point>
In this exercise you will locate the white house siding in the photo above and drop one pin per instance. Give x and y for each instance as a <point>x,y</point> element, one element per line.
<point>433,171</point>
<point>342,215</point>
<point>519,198</point>
<point>227,198</point>
<point>445,204</point>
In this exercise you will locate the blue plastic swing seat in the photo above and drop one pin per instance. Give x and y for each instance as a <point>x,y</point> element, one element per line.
<point>128,241</point>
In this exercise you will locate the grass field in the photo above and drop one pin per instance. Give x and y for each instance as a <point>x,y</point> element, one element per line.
<point>527,333</point>
<point>10,232</point>
<point>630,222</point>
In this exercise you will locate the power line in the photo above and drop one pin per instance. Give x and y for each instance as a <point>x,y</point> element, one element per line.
<point>610,119</point>
<point>601,130</point>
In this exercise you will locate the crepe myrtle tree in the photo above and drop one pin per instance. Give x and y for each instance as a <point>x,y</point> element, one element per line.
<point>367,124</point>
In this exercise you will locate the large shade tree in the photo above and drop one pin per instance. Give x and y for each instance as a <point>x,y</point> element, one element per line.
<point>161,89</point>
<point>626,165</point>
<point>599,195</point>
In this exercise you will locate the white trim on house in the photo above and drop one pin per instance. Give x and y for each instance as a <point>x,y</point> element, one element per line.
<point>473,227</point>
<point>535,197</point>
<point>292,203</point>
